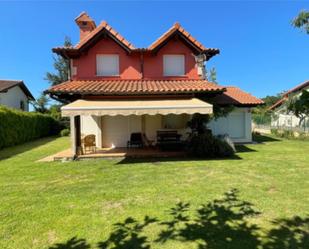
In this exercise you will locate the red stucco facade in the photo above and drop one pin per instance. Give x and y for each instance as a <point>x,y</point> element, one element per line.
<point>130,64</point>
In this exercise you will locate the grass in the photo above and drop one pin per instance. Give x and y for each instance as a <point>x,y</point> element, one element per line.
<point>259,199</point>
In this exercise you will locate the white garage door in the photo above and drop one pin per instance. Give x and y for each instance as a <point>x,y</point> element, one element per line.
<point>236,125</point>
<point>116,130</point>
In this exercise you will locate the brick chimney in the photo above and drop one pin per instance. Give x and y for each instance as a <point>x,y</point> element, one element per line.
<point>85,24</point>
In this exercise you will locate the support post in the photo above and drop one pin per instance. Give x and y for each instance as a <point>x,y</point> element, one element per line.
<point>75,135</point>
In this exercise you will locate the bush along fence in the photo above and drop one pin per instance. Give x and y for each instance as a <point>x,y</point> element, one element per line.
<point>290,134</point>
<point>17,127</point>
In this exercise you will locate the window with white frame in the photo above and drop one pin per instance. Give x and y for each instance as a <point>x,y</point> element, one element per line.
<point>173,65</point>
<point>107,65</point>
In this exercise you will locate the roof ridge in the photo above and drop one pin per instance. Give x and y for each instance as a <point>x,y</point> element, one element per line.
<point>285,95</point>
<point>297,87</point>
<point>193,42</point>
<point>11,80</point>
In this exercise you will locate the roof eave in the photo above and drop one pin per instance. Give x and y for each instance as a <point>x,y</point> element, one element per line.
<point>48,91</point>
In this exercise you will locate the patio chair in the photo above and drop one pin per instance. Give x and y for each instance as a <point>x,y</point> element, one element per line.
<point>136,139</point>
<point>89,143</point>
<point>147,142</point>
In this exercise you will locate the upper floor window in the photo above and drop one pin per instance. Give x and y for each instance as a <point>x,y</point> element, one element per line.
<point>174,65</point>
<point>107,65</point>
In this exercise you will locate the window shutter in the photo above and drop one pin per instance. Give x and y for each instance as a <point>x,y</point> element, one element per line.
<point>174,65</point>
<point>108,65</point>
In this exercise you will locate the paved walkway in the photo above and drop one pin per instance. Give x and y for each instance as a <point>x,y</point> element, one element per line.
<point>65,154</point>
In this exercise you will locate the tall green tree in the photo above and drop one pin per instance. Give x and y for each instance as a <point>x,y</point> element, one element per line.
<point>300,106</point>
<point>61,66</point>
<point>213,75</point>
<point>41,104</point>
<point>302,21</point>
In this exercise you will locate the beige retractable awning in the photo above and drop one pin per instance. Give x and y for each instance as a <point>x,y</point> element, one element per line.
<point>136,107</point>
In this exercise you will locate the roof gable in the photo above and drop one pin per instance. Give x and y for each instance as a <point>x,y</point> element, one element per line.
<point>104,29</point>
<point>176,29</point>
<point>298,88</point>
<point>5,85</point>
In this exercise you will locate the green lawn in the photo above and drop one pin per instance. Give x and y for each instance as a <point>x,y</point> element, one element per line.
<point>259,199</point>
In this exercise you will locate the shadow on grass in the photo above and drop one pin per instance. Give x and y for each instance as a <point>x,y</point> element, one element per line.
<point>73,243</point>
<point>243,148</point>
<point>221,223</point>
<point>263,138</point>
<point>18,149</point>
<point>159,160</point>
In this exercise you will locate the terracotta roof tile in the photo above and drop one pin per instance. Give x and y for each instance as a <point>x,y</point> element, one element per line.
<point>74,51</point>
<point>104,26</point>
<point>278,103</point>
<point>127,87</point>
<point>186,34</point>
<point>235,96</point>
<point>299,87</point>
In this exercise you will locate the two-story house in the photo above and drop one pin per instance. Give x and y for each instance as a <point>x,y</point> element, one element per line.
<point>116,89</point>
<point>15,94</point>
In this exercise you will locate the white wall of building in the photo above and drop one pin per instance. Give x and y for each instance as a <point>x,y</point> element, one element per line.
<point>281,118</point>
<point>116,130</point>
<point>237,125</point>
<point>91,125</point>
<point>151,125</point>
<point>13,97</point>
<point>284,120</point>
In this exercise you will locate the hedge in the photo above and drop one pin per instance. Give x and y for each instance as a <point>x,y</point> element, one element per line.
<point>17,127</point>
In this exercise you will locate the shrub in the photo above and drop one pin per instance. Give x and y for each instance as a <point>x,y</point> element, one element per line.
<point>17,127</point>
<point>274,132</point>
<point>64,132</point>
<point>287,134</point>
<point>208,146</point>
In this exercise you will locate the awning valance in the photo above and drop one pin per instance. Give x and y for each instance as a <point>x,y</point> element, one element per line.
<point>136,107</point>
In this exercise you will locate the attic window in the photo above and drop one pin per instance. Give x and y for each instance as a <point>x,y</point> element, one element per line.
<point>84,23</point>
<point>174,65</point>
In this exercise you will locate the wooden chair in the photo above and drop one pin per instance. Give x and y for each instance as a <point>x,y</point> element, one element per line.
<point>89,143</point>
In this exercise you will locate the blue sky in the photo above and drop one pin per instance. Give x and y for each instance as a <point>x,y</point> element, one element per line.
<point>260,51</point>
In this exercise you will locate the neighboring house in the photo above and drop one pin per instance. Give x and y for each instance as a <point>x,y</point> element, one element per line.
<point>15,94</point>
<point>116,89</point>
<point>281,117</point>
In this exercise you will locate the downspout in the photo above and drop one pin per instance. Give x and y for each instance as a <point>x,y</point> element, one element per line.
<point>70,64</point>
<point>142,64</point>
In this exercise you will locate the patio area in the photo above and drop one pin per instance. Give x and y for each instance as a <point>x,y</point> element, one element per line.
<point>114,153</point>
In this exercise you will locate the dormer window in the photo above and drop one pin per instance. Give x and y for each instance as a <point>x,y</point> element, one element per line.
<point>174,65</point>
<point>107,65</point>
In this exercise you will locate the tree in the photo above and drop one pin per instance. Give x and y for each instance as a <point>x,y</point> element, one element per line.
<point>302,21</point>
<point>40,105</point>
<point>300,106</point>
<point>213,75</point>
<point>62,67</point>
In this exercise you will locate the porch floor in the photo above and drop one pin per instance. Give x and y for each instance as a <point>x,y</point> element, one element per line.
<point>114,153</point>
<point>131,152</point>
